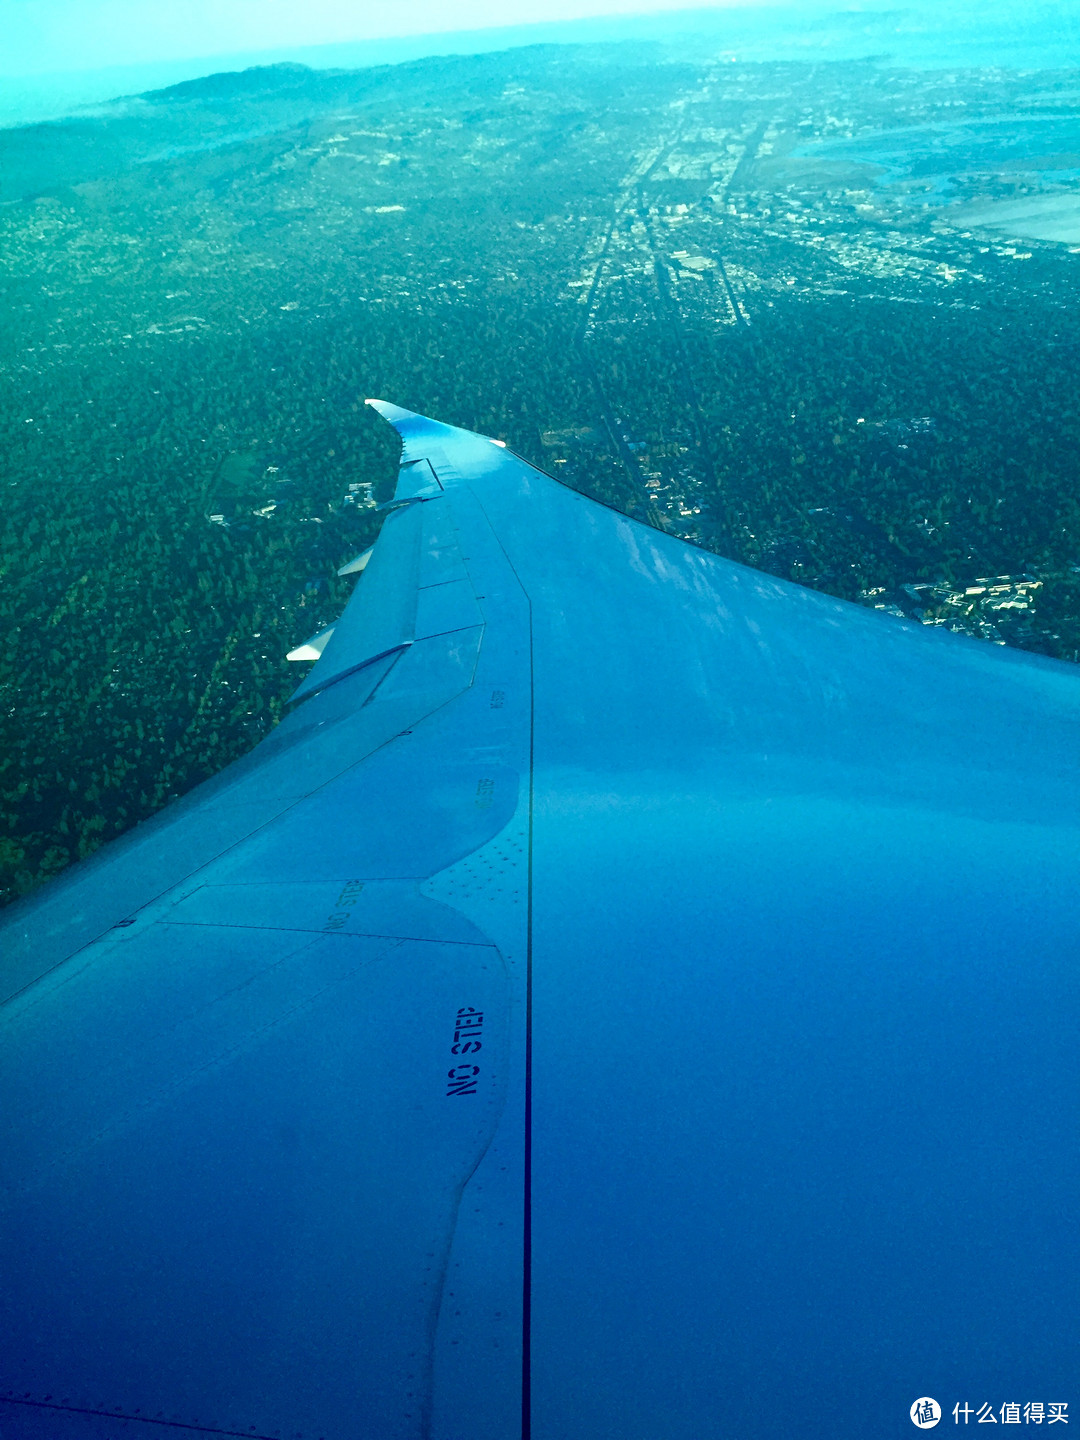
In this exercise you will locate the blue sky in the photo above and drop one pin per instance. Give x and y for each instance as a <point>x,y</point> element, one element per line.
<point>46,36</point>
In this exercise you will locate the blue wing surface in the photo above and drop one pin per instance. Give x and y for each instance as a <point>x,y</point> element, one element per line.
<point>629,996</point>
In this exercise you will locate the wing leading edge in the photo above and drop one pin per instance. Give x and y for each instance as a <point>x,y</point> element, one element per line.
<point>629,995</point>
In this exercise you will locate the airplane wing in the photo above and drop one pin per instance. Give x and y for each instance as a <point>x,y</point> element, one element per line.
<point>629,997</point>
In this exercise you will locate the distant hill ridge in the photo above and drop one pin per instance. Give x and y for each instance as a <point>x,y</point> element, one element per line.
<point>52,157</point>
<point>256,79</point>
<point>919,33</point>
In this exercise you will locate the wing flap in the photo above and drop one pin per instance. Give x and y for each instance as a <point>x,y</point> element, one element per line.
<point>325,737</point>
<point>269,1136</point>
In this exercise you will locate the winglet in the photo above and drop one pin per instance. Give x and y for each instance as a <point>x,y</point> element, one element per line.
<point>411,426</point>
<point>394,413</point>
<point>418,431</point>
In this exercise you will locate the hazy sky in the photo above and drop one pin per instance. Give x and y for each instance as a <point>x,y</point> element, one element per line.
<point>39,36</point>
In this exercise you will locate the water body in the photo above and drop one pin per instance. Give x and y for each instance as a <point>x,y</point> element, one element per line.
<point>938,166</point>
<point>962,147</point>
<point>1035,217</point>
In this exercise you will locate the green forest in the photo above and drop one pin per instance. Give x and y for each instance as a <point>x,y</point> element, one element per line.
<point>627,267</point>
